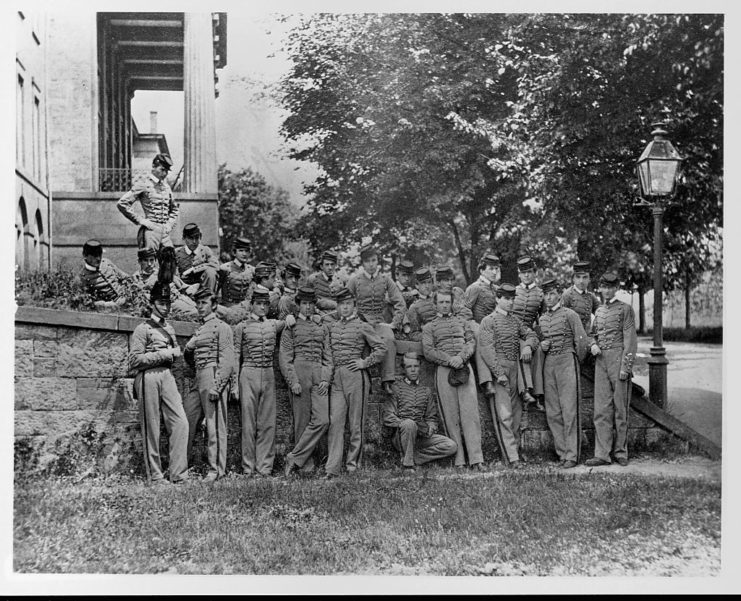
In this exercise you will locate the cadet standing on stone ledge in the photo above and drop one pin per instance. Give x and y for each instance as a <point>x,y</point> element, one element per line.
<point>423,309</point>
<point>411,412</point>
<point>287,301</point>
<point>500,340</point>
<point>480,297</point>
<point>564,344</point>
<point>350,384</point>
<point>306,363</point>
<point>614,344</point>
<point>447,341</point>
<point>153,349</point>
<point>211,351</point>
<point>160,209</point>
<point>101,278</point>
<point>235,276</point>
<point>197,265</point>
<point>579,298</point>
<point>326,283</point>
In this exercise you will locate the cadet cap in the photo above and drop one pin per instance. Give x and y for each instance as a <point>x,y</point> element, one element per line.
<point>423,275</point>
<point>162,159</point>
<point>490,259</point>
<point>368,251</point>
<point>406,266</point>
<point>160,292</point>
<point>92,247</point>
<point>329,255</point>
<point>261,294</point>
<point>444,272</point>
<point>145,253</point>
<point>293,269</point>
<point>550,284</point>
<point>191,230</point>
<point>204,293</point>
<point>582,267</point>
<point>306,293</point>
<point>610,279</point>
<point>506,291</point>
<point>242,243</point>
<point>344,294</point>
<point>525,264</point>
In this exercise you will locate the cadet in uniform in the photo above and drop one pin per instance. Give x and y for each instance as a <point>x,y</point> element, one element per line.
<point>614,343</point>
<point>211,351</point>
<point>579,298</point>
<point>105,282</point>
<point>528,305</point>
<point>254,344</point>
<point>265,278</point>
<point>326,283</point>
<point>287,302</point>
<point>350,383</point>
<point>411,412</point>
<point>423,309</point>
<point>481,298</point>
<point>146,277</point>
<point>153,349</point>
<point>196,263</point>
<point>371,288</point>
<point>160,209</point>
<point>564,344</point>
<point>448,342</point>
<point>444,280</point>
<point>404,280</point>
<point>235,276</point>
<point>499,338</point>
<point>306,364</point>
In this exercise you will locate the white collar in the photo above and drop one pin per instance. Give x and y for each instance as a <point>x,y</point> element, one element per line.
<point>528,286</point>
<point>90,267</point>
<point>155,179</point>
<point>237,262</point>
<point>157,319</point>
<point>188,251</point>
<point>579,290</point>
<point>302,316</point>
<point>353,316</point>
<point>556,306</point>
<point>256,318</point>
<point>408,381</point>
<point>325,276</point>
<point>484,280</point>
<point>445,314</point>
<point>502,311</point>
<point>612,300</point>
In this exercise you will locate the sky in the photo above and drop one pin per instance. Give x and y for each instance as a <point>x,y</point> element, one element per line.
<point>247,119</point>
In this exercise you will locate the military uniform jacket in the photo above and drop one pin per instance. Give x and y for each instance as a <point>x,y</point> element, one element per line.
<point>156,200</point>
<point>254,340</point>
<point>348,338</point>
<point>325,289</point>
<point>148,343</point>
<point>199,259</point>
<point>499,340</point>
<point>614,327</point>
<point>445,337</point>
<point>584,303</point>
<point>107,283</point>
<point>562,327</point>
<point>305,341</point>
<point>408,293</point>
<point>409,400</point>
<point>421,312</point>
<point>287,304</point>
<point>481,298</point>
<point>371,292</point>
<point>212,345</point>
<point>235,281</point>
<point>529,303</point>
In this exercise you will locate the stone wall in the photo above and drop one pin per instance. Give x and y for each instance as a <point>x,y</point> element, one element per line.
<point>75,413</point>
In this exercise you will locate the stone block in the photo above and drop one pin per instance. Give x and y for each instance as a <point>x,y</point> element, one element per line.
<point>45,348</point>
<point>35,332</point>
<point>23,358</point>
<point>96,393</point>
<point>92,353</point>
<point>59,423</point>
<point>46,394</point>
<point>45,367</point>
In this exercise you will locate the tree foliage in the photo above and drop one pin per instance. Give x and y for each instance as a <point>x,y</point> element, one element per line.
<point>516,133</point>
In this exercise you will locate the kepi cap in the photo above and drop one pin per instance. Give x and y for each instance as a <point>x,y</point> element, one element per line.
<point>490,259</point>
<point>550,284</point>
<point>368,251</point>
<point>293,269</point>
<point>162,159</point>
<point>406,266</point>
<point>581,267</point>
<point>92,247</point>
<point>160,292</point>
<point>506,290</point>
<point>260,294</point>
<point>525,264</point>
<point>423,275</point>
<point>306,293</point>
<point>344,294</point>
<point>242,243</point>
<point>610,278</point>
<point>145,253</point>
<point>204,292</point>
<point>329,255</point>
<point>191,230</point>
<point>444,271</point>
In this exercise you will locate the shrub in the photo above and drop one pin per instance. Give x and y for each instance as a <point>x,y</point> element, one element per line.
<point>708,335</point>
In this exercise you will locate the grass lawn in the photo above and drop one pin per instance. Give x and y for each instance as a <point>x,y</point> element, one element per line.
<point>536,522</point>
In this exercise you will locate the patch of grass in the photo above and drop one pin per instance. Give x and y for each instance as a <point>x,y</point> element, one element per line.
<point>534,522</point>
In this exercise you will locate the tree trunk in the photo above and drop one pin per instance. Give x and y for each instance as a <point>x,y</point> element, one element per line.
<point>461,251</point>
<point>641,312</point>
<point>687,295</point>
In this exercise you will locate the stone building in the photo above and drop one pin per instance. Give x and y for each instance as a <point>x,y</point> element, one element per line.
<point>32,202</point>
<point>93,64</point>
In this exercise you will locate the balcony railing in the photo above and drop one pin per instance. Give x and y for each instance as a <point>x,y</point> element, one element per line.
<point>121,180</point>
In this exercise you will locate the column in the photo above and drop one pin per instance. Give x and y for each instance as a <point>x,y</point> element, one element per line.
<point>200,173</point>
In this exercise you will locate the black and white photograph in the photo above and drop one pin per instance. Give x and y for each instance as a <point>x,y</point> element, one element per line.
<point>352,298</point>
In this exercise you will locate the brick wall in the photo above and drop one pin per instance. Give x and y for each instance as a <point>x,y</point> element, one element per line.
<point>74,409</point>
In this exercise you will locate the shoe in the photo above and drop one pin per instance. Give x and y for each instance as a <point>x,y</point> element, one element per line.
<point>560,463</point>
<point>330,476</point>
<point>479,467</point>
<point>387,388</point>
<point>161,482</point>
<point>528,399</point>
<point>490,389</point>
<point>622,461</point>
<point>460,468</point>
<point>408,469</point>
<point>210,477</point>
<point>596,461</point>
<point>567,465</point>
<point>290,465</point>
<point>539,406</point>
<point>516,465</point>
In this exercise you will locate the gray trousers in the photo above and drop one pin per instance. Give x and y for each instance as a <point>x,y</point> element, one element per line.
<point>460,410</point>
<point>310,413</point>
<point>611,404</point>
<point>561,386</point>
<point>509,410</point>
<point>416,450</point>
<point>157,391</point>
<point>346,404</point>
<point>257,400</point>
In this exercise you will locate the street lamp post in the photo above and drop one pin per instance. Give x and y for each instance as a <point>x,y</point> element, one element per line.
<point>658,169</point>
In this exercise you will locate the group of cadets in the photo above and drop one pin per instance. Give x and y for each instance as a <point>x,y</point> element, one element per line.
<point>523,345</point>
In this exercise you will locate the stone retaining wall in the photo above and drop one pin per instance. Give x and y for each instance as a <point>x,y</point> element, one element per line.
<point>75,413</point>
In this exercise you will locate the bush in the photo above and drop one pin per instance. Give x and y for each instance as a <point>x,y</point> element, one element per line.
<point>708,335</point>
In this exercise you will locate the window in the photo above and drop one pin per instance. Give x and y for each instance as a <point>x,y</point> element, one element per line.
<point>36,133</point>
<point>20,117</point>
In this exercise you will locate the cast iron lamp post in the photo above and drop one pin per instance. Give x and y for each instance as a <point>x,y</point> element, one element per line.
<point>658,170</point>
